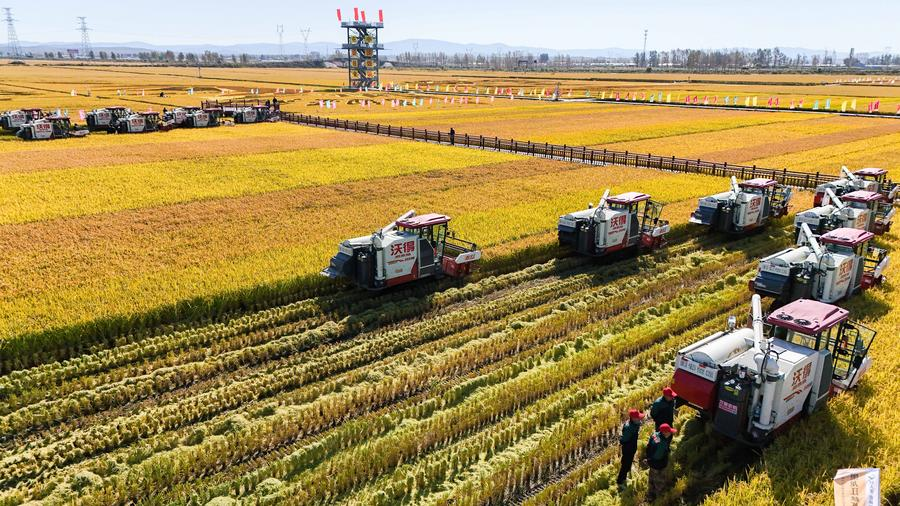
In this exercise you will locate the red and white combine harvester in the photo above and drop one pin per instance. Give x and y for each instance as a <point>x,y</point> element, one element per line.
<point>411,248</point>
<point>833,267</point>
<point>105,120</point>
<point>870,179</point>
<point>12,121</point>
<point>753,382</point>
<point>748,206</point>
<point>860,209</point>
<point>49,127</point>
<point>629,220</point>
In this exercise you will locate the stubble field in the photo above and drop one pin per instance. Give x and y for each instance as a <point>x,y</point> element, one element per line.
<point>167,339</point>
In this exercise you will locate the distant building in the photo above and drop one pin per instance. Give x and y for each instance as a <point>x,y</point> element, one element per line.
<point>544,58</point>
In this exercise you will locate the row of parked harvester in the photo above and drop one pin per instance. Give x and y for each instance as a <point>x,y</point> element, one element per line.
<point>35,124</point>
<point>749,382</point>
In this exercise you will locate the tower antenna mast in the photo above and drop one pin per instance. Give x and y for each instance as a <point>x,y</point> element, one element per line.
<point>644,53</point>
<point>280,30</point>
<point>12,48</point>
<point>85,39</point>
<point>305,33</point>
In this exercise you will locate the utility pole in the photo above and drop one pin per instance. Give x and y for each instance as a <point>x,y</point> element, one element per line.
<point>280,30</point>
<point>644,53</point>
<point>305,33</point>
<point>85,39</point>
<point>12,48</point>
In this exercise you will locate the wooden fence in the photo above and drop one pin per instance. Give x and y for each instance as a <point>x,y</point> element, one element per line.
<point>576,154</point>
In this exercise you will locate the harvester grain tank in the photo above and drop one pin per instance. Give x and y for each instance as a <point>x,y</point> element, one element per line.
<point>627,221</point>
<point>411,248</point>
<point>49,127</point>
<point>869,179</point>
<point>751,383</point>
<point>747,206</point>
<point>833,267</point>
<point>106,119</point>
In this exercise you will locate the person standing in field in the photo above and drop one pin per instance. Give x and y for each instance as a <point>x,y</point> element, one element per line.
<point>658,448</point>
<point>663,409</point>
<point>629,441</point>
<point>452,136</point>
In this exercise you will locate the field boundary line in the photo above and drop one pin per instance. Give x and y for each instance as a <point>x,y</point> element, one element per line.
<point>566,153</point>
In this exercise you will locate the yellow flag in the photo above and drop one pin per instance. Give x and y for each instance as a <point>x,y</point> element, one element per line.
<point>844,106</point>
<point>853,104</point>
<point>754,101</point>
<point>603,95</point>
<point>669,98</point>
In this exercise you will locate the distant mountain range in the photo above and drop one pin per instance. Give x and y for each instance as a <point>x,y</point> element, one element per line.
<point>391,48</point>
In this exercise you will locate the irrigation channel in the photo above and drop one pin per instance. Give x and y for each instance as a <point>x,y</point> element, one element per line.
<point>576,154</point>
<point>506,388</point>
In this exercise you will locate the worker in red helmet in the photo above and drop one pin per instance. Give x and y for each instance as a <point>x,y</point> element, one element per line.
<point>663,409</point>
<point>629,441</point>
<point>658,448</point>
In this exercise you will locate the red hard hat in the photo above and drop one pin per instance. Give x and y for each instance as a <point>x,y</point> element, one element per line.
<point>667,429</point>
<point>669,392</point>
<point>633,413</point>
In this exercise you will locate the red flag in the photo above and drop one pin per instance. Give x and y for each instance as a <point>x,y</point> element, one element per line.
<point>877,104</point>
<point>696,99</point>
<point>363,16</point>
<point>770,101</point>
<point>356,14</point>
<point>339,16</point>
<point>776,101</point>
<point>687,99</point>
<point>380,16</point>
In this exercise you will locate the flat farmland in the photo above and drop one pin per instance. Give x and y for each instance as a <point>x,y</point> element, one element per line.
<point>166,337</point>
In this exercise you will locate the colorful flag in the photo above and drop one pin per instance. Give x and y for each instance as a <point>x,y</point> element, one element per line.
<point>74,94</point>
<point>801,103</point>
<point>754,101</point>
<point>669,98</point>
<point>828,103</point>
<point>816,105</point>
<point>853,104</point>
<point>321,104</point>
<point>727,100</point>
<point>81,114</point>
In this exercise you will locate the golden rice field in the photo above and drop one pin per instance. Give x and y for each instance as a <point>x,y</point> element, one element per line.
<point>166,338</point>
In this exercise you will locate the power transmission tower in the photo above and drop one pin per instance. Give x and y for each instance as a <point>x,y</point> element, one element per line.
<point>644,53</point>
<point>12,47</point>
<point>280,29</point>
<point>305,33</point>
<point>85,39</point>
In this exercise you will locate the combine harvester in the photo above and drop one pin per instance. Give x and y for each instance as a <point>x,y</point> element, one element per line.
<point>411,248</point>
<point>12,121</point>
<point>748,206</point>
<point>252,114</point>
<point>621,222</point>
<point>870,179</point>
<point>752,382</point>
<point>860,209</point>
<point>105,120</point>
<point>834,267</point>
<point>136,123</point>
<point>202,118</point>
<point>49,127</point>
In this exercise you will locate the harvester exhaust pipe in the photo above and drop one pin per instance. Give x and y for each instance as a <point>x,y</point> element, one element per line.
<point>767,361</point>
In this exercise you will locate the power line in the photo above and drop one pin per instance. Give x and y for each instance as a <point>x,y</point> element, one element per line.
<point>85,39</point>
<point>12,45</point>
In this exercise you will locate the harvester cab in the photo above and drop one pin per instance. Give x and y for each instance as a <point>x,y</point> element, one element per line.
<point>203,118</point>
<point>748,206</point>
<point>835,266</point>
<point>629,220</point>
<point>884,186</point>
<point>752,382</point>
<point>835,212</point>
<point>49,127</point>
<point>411,248</point>
<point>104,120</point>
<point>879,210</point>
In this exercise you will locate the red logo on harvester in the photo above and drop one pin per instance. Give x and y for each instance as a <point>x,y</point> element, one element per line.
<point>400,249</point>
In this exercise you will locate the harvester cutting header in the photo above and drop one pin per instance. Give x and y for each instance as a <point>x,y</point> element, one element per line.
<point>749,205</point>
<point>410,248</point>
<point>627,221</point>
<point>752,382</point>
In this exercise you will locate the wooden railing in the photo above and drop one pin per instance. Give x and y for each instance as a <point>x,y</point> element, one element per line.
<point>576,154</point>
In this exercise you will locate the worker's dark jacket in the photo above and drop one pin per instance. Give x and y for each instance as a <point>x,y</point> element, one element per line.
<point>629,437</point>
<point>658,451</point>
<point>662,411</point>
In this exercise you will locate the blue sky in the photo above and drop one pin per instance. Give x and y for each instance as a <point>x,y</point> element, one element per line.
<point>868,25</point>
